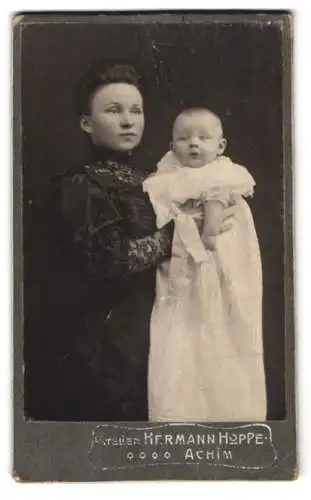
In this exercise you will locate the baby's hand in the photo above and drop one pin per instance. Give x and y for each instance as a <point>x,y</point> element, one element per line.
<point>213,218</point>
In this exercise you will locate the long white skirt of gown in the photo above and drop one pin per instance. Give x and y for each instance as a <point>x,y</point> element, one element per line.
<point>206,352</point>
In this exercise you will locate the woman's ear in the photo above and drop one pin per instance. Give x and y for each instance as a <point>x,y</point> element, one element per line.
<point>222,146</point>
<point>86,124</point>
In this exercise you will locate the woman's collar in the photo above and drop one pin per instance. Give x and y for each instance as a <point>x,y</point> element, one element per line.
<point>120,165</point>
<point>103,154</point>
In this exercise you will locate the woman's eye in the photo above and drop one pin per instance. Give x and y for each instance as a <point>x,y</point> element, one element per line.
<point>112,110</point>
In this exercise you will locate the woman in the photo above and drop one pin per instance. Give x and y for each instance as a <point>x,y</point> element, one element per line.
<point>108,227</point>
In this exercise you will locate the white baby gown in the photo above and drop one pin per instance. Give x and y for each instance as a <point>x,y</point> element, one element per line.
<point>206,352</point>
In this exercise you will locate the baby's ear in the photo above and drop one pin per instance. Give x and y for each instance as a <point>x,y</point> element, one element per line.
<point>172,147</point>
<point>222,146</point>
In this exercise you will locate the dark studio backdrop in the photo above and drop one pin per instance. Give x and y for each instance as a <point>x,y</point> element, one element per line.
<point>235,70</point>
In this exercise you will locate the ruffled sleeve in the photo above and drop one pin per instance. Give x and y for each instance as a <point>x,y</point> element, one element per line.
<point>224,180</point>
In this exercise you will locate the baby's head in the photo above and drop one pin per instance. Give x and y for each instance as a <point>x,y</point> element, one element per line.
<point>197,137</point>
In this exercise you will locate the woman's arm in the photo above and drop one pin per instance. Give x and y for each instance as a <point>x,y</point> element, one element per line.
<point>111,252</point>
<point>93,231</point>
<point>151,250</point>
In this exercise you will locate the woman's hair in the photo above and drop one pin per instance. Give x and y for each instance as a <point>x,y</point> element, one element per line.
<point>99,76</point>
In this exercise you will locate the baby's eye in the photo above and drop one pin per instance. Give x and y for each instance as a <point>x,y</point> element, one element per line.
<point>183,138</point>
<point>203,138</point>
<point>137,111</point>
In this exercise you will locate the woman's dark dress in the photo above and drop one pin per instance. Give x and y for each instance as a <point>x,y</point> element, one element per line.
<point>106,226</point>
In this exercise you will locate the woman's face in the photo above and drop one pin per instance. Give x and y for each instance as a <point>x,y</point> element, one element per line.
<point>116,118</point>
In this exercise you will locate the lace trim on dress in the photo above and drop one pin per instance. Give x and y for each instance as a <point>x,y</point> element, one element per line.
<point>148,251</point>
<point>123,172</point>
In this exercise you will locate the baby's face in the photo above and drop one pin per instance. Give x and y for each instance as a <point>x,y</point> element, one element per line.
<point>197,139</point>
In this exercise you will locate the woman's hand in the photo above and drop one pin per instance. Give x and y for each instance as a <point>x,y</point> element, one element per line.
<point>227,218</point>
<point>228,215</point>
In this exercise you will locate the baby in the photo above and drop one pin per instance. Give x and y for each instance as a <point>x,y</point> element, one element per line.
<point>197,141</point>
<point>206,353</point>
